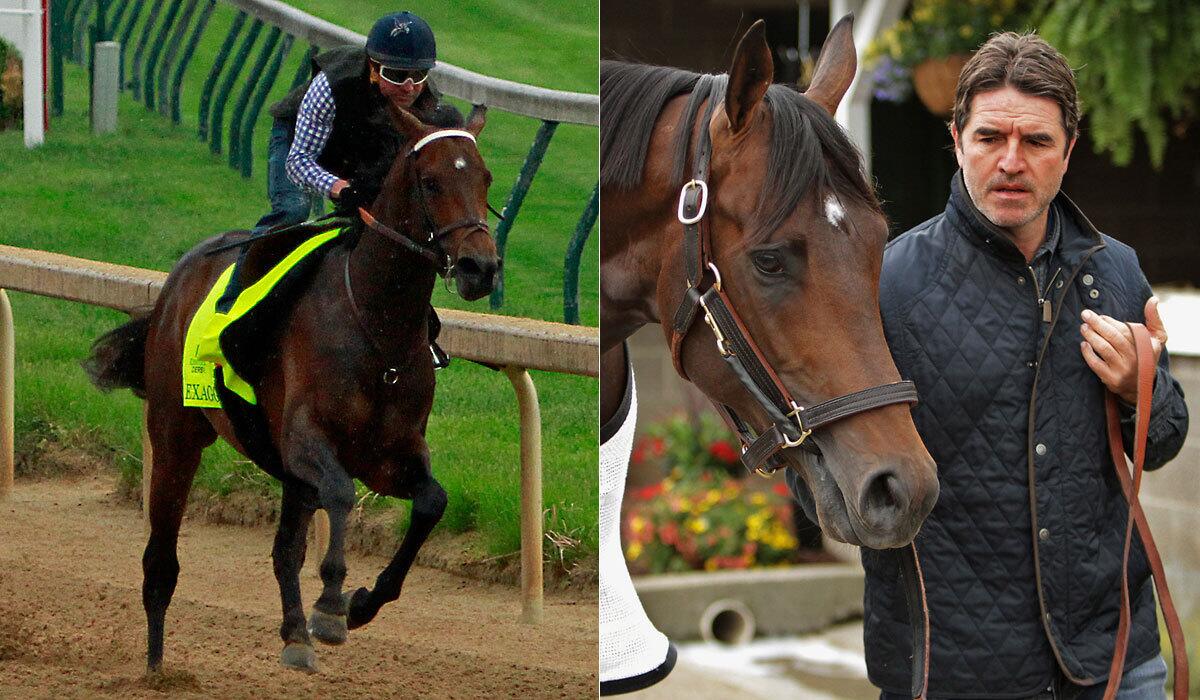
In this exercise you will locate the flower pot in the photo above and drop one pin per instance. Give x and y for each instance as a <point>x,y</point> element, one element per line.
<point>935,81</point>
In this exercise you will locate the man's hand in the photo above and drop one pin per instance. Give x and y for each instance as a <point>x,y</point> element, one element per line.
<point>1109,350</point>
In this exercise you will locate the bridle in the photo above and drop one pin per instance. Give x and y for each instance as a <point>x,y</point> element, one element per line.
<point>791,423</point>
<point>430,249</point>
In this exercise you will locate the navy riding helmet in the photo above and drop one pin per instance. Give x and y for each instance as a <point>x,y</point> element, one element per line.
<point>402,40</point>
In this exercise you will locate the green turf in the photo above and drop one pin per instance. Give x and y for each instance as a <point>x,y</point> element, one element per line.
<point>145,195</point>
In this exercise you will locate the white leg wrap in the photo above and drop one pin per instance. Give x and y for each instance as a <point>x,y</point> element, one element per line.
<point>633,654</point>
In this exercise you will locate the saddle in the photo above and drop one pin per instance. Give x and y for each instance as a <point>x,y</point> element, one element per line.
<point>228,346</point>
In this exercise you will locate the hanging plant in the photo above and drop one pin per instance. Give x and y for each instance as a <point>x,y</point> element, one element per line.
<point>929,46</point>
<point>1137,65</point>
<point>11,99</point>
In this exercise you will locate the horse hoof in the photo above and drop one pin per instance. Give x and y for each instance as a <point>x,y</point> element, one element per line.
<point>328,629</point>
<point>354,602</point>
<point>300,657</point>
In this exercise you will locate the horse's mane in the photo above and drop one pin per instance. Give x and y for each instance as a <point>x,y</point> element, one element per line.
<point>807,147</point>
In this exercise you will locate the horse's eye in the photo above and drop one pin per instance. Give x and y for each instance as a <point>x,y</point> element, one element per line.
<point>768,262</point>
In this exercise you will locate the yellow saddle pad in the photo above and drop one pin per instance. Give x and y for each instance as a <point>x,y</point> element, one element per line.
<point>202,352</point>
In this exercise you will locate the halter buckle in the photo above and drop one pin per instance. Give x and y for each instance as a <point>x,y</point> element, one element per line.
<point>722,342</point>
<point>804,433</point>
<point>700,208</point>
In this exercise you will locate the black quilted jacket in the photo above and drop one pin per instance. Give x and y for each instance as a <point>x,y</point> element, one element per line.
<point>1021,554</point>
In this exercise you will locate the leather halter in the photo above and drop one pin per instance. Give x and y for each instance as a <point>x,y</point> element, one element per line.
<point>791,423</point>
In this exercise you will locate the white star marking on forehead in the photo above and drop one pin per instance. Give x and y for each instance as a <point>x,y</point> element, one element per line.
<point>460,164</point>
<point>834,212</point>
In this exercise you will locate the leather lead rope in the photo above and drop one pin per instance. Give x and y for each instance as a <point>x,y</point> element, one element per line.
<point>1130,485</point>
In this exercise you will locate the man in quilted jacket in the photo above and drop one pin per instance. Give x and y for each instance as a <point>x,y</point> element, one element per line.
<point>1007,311</point>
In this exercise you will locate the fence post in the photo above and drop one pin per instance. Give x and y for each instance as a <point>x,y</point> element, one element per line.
<point>104,87</point>
<point>7,365</point>
<point>531,494</point>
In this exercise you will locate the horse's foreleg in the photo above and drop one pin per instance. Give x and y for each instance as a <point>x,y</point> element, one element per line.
<point>429,502</point>
<point>299,501</point>
<point>178,436</point>
<point>310,459</point>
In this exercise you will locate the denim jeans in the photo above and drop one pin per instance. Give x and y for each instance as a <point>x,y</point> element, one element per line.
<point>289,204</point>
<point>1145,681</point>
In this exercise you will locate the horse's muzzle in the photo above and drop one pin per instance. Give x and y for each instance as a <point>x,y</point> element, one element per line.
<point>475,275</point>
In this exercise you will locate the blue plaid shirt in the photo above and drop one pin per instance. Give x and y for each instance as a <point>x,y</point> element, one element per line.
<point>314,123</point>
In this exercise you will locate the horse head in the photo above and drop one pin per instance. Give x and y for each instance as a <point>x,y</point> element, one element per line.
<point>793,238</point>
<point>436,192</point>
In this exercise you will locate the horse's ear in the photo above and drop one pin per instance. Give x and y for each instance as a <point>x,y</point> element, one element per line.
<point>835,66</point>
<point>749,77</point>
<point>405,122</point>
<point>476,119</point>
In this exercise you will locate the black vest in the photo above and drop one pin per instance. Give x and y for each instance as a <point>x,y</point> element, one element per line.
<point>363,143</point>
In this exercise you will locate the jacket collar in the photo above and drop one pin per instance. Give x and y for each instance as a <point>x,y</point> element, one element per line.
<point>1079,236</point>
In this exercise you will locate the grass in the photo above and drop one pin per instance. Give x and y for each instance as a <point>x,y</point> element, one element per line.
<point>148,193</point>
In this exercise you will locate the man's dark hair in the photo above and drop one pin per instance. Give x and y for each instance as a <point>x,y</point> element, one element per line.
<point>1025,62</point>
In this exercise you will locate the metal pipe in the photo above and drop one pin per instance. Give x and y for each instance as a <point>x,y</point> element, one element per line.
<point>243,100</point>
<point>512,207</point>
<point>188,52</point>
<point>135,69</point>
<point>7,366</point>
<point>173,46</point>
<point>574,258</point>
<point>256,105</point>
<point>210,82</point>
<point>217,118</point>
<point>727,621</point>
<point>156,49</point>
<point>531,494</point>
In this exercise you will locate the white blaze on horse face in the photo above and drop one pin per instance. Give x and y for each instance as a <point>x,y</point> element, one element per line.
<point>834,212</point>
<point>460,164</point>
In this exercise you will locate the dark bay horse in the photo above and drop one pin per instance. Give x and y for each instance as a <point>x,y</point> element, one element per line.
<point>791,235</point>
<point>347,394</point>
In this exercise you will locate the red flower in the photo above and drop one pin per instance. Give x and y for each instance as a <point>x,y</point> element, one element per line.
<point>781,488</point>
<point>657,447</point>
<point>647,492</point>
<point>723,451</point>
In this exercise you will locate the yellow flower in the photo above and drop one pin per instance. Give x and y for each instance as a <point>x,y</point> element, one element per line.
<point>633,551</point>
<point>710,564</point>
<point>758,499</point>
<point>698,525</point>
<point>965,31</point>
<point>637,523</point>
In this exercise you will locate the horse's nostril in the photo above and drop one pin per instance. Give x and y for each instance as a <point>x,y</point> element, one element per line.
<point>884,501</point>
<point>468,266</point>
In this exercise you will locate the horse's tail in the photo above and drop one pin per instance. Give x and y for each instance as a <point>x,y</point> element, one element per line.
<point>118,358</point>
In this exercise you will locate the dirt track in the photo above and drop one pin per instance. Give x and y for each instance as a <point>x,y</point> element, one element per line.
<point>71,621</point>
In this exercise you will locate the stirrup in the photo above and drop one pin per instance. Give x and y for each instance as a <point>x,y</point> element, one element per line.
<point>440,359</point>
